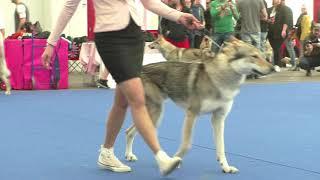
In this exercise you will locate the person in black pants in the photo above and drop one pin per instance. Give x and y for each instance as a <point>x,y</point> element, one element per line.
<point>311,55</point>
<point>278,29</point>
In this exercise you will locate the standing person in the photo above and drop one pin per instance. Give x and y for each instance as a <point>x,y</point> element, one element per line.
<point>278,19</point>
<point>176,33</point>
<point>198,11</point>
<point>222,14</point>
<point>21,14</point>
<point>289,39</point>
<point>251,12</point>
<point>120,43</point>
<point>207,18</point>
<point>303,26</point>
<point>264,30</point>
<point>167,2</point>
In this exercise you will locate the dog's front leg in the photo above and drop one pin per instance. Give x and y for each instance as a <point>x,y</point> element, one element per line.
<point>130,134</point>
<point>218,119</point>
<point>186,134</point>
<point>8,86</point>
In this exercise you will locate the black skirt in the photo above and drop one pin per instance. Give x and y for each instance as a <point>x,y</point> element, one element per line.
<point>122,51</point>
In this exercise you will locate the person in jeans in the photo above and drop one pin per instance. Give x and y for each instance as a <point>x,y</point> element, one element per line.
<point>278,19</point>
<point>251,12</point>
<point>198,11</point>
<point>289,40</point>
<point>264,30</point>
<point>120,43</point>
<point>223,13</point>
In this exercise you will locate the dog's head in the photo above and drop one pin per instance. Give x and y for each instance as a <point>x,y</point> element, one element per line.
<point>244,58</point>
<point>156,44</point>
<point>206,42</point>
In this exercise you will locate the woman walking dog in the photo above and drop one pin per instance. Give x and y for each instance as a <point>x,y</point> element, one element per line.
<point>120,44</point>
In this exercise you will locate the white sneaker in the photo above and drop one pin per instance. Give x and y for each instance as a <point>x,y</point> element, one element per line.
<point>166,164</point>
<point>277,68</point>
<point>288,65</point>
<point>107,160</point>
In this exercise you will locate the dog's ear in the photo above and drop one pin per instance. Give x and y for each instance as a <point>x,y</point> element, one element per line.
<point>160,36</point>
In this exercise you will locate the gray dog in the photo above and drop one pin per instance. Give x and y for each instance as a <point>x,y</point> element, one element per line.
<point>200,88</point>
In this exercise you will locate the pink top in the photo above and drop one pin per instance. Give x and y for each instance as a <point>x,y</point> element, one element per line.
<point>112,15</point>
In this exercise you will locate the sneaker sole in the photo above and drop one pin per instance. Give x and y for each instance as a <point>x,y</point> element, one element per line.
<point>173,167</point>
<point>102,86</point>
<point>112,168</point>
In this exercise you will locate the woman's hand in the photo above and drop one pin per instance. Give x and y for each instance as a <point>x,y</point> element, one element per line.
<point>189,21</point>
<point>47,55</point>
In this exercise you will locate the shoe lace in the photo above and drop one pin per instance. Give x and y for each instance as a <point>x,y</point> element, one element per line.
<point>114,160</point>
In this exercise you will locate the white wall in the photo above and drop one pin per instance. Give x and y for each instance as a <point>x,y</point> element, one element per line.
<point>295,5</point>
<point>46,12</point>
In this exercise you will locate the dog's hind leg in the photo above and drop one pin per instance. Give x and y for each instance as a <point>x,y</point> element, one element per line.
<point>186,134</point>
<point>218,119</point>
<point>155,111</point>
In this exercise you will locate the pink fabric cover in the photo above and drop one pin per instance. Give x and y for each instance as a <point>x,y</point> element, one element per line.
<point>19,55</point>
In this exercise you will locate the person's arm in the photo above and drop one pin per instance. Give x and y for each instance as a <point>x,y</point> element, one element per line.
<point>285,21</point>
<point>263,11</point>
<point>65,15</point>
<point>264,14</point>
<point>234,10</point>
<point>158,7</point>
<point>67,12</point>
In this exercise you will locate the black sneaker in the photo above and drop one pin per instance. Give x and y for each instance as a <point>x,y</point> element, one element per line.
<point>102,83</point>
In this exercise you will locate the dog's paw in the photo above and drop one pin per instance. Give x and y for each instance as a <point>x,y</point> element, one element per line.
<point>131,157</point>
<point>7,93</point>
<point>230,169</point>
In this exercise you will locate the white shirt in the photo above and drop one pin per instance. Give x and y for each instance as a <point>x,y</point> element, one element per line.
<point>22,11</point>
<point>112,15</point>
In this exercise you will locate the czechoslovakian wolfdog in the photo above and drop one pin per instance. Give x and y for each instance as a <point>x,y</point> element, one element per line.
<point>200,88</point>
<point>173,53</point>
<point>4,71</point>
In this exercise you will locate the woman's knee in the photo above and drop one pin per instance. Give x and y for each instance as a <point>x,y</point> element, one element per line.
<point>134,92</point>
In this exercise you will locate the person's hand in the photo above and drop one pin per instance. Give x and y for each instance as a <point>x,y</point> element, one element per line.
<point>47,55</point>
<point>189,21</point>
<point>283,34</point>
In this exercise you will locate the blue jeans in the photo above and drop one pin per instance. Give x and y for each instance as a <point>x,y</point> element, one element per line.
<point>263,40</point>
<point>252,38</point>
<point>218,39</point>
<point>292,53</point>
